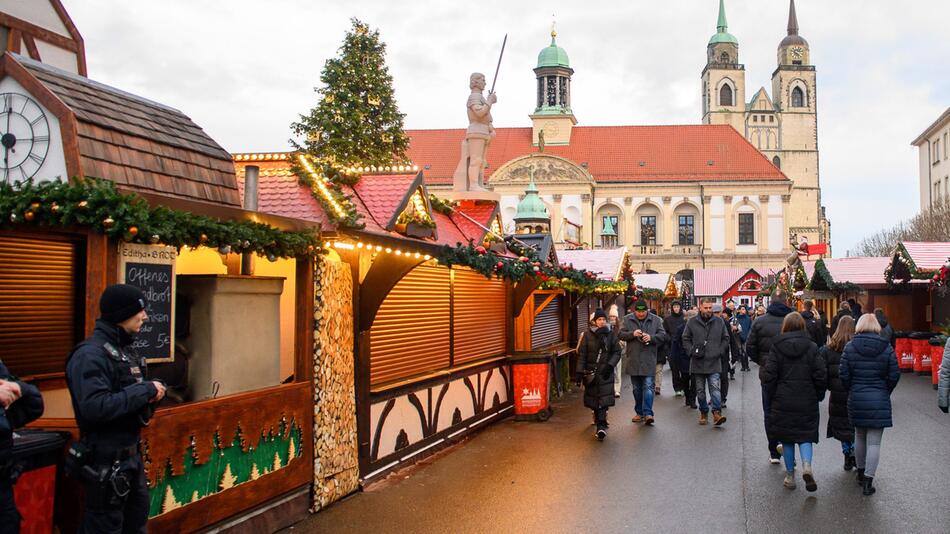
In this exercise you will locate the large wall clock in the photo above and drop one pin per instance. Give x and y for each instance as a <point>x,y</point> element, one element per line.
<point>24,136</point>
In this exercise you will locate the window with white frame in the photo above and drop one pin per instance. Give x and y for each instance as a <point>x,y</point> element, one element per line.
<point>746,228</point>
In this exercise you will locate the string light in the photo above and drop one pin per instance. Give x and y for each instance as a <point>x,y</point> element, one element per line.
<point>320,183</point>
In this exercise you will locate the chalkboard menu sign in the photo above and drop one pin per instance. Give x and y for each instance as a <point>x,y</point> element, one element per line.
<point>152,269</point>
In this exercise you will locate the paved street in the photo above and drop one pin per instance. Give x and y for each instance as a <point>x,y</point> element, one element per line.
<point>674,477</point>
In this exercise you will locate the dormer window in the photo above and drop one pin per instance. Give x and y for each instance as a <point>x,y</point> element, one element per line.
<point>415,219</point>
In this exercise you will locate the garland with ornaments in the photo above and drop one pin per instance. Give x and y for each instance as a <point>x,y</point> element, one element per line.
<point>98,204</point>
<point>491,264</point>
<point>940,282</point>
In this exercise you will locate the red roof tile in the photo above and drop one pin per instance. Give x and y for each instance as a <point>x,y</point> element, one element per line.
<point>613,153</point>
<point>280,193</point>
<point>383,194</point>
<point>481,213</point>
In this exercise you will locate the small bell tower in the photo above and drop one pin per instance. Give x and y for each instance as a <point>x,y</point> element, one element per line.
<point>552,117</point>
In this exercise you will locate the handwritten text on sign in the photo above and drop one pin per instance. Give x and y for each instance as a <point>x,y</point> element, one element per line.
<point>152,269</point>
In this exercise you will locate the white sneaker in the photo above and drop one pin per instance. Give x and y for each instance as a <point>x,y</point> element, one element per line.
<point>678,393</point>
<point>773,461</point>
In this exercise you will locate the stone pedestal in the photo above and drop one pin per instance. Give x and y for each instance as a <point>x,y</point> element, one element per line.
<point>490,196</point>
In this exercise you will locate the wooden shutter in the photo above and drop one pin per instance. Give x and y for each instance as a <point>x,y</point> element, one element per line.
<point>584,309</point>
<point>410,335</point>
<point>479,314</point>
<point>37,304</point>
<point>547,324</point>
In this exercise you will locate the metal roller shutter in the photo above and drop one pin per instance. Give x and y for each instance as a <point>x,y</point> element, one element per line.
<point>37,304</point>
<point>479,314</point>
<point>410,335</point>
<point>547,324</point>
<point>584,310</point>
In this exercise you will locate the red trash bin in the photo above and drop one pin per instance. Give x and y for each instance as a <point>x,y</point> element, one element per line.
<point>531,384</point>
<point>905,354</point>
<point>922,362</point>
<point>36,455</point>
<point>936,358</point>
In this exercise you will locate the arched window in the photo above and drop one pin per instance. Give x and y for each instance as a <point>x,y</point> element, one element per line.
<point>725,95</point>
<point>798,98</point>
<point>724,57</point>
<point>777,162</point>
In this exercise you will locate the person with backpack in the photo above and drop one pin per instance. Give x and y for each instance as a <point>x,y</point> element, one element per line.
<point>598,353</point>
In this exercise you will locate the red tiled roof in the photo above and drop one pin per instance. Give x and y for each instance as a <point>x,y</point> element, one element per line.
<point>605,263</point>
<point>383,194</point>
<point>375,197</point>
<point>280,193</point>
<point>613,153</point>
<point>927,256</point>
<point>481,213</point>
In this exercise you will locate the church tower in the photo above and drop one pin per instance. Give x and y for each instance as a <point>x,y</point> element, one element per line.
<point>723,78</point>
<point>795,98</point>
<point>552,114</point>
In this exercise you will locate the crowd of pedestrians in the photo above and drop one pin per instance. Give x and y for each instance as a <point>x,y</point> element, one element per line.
<point>801,358</point>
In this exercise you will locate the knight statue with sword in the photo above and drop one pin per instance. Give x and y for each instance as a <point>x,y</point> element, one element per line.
<point>469,174</point>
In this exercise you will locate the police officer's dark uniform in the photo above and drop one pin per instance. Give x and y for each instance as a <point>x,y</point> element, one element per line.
<point>110,396</point>
<point>23,410</point>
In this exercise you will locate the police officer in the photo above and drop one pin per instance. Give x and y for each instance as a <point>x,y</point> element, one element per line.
<point>113,401</point>
<point>20,403</point>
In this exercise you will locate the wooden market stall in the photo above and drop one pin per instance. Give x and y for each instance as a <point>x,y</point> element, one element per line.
<point>742,286</point>
<point>912,266</point>
<point>225,445</point>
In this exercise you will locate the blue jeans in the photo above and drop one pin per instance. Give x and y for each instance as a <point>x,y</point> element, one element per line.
<point>715,394</point>
<point>788,451</point>
<point>643,395</point>
<point>847,447</point>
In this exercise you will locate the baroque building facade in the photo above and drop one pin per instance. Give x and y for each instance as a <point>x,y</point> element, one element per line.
<point>676,197</point>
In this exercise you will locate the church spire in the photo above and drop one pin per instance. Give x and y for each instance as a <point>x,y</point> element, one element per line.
<point>722,26</point>
<point>792,19</point>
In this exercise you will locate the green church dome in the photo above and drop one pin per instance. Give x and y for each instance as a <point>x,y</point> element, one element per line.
<point>554,55</point>
<point>531,207</point>
<point>722,28</point>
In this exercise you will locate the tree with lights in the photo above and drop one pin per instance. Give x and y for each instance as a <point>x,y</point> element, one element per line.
<point>356,121</point>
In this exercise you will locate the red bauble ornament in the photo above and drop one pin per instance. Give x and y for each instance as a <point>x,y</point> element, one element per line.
<point>29,215</point>
<point>133,231</point>
<point>499,265</point>
<point>480,250</point>
<point>523,259</point>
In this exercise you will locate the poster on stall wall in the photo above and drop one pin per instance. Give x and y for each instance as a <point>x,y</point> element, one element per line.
<point>151,268</point>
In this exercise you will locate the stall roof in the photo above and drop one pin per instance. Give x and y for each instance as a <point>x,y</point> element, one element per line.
<point>376,197</point>
<point>652,280</point>
<point>139,144</point>
<point>927,255</point>
<point>863,271</point>
<point>543,244</point>
<point>605,263</point>
<point>715,282</point>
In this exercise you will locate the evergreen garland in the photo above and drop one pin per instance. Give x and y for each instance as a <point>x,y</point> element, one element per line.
<point>490,264</point>
<point>98,204</point>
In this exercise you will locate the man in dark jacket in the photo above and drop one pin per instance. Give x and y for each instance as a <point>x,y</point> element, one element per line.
<point>856,311</point>
<point>706,341</point>
<point>764,331</point>
<point>887,331</point>
<point>814,325</point>
<point>671,324</point>
<point>20,403</point>
<point>744,321</point>
<point>643,332</point>
<point>843,309</point>
<point>112,401</point>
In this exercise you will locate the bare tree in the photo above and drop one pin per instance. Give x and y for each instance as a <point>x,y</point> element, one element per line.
<point>929,225</point>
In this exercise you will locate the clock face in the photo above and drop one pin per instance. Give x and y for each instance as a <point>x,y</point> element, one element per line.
<point>24,137</point>
<point>550,129</point>
<point>797,52</point>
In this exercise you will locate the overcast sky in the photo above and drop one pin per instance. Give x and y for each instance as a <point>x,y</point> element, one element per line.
<point>244,70</point>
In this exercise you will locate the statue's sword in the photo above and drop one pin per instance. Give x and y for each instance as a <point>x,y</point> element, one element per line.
<point>502,54</point>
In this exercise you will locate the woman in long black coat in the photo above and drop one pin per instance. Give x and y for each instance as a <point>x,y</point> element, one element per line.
<point>795,379</point>
<point>839,422</point>
<point>598,353</point>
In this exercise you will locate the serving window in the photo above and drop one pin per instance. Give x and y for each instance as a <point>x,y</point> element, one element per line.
<point>437,318</point>
<point>41,311</point>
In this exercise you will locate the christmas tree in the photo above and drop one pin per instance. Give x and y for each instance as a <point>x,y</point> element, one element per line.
<point>356,121</point>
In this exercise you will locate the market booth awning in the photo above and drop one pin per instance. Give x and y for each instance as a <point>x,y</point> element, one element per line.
<point>917,260</point>
<point>607,264</point>
<point>841,274</point>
